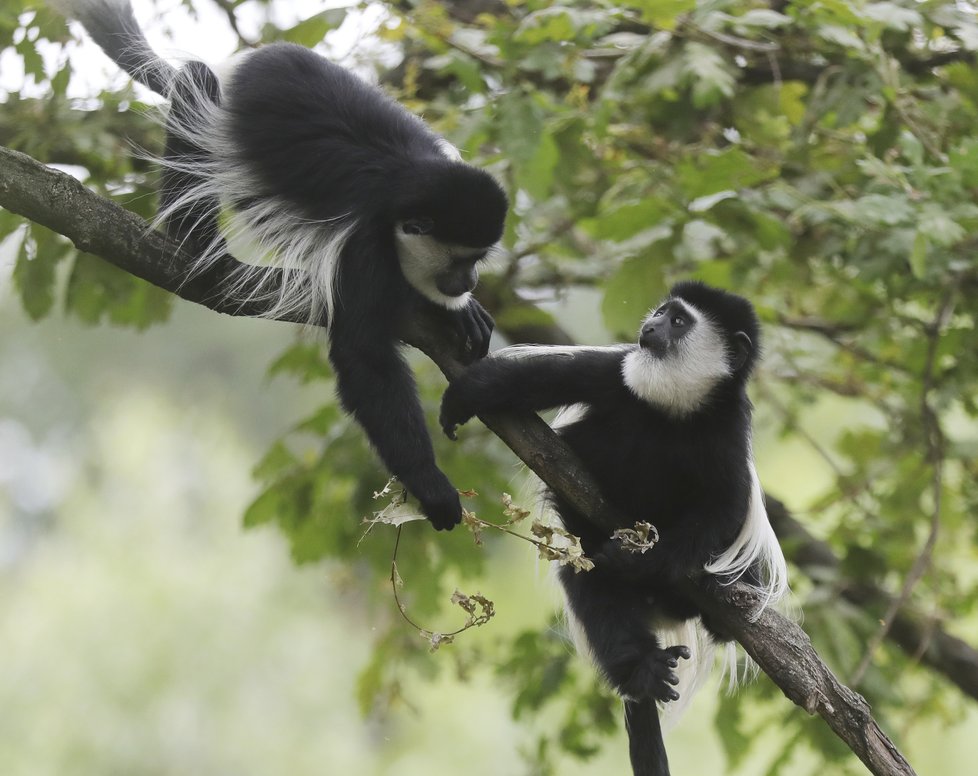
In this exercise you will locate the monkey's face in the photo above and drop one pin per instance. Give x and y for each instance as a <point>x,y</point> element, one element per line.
<point>665,328</point>
<point>682,356</point>
<point>441,271</point>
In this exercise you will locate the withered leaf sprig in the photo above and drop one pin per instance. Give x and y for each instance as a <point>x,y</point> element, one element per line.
<point>552,542</point>
<point>639,539</point>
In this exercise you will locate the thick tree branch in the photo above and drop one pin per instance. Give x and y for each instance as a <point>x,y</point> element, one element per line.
<point>779,646</point>
<point>101,227</point>
<point>785,653</point>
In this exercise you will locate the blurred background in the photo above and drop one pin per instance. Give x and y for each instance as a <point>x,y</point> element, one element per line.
<point>819,158</point>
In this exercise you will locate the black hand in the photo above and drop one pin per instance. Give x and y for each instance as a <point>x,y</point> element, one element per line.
<point>441,504</point>
<point>453,408</point>
<point>475,329</point>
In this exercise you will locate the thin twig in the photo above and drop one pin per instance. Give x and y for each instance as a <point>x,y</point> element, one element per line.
<point>468,603</point>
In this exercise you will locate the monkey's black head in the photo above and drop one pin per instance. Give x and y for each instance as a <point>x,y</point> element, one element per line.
<point>454,203</point>
<point>445,222</point>
<point>697,340</point>
<point>734,316</point>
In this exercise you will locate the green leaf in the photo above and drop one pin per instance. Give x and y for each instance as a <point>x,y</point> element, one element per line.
<point>311,31</point>
<point>663,14</point>
<point>918,256</point>
<point>893,16</point>
<point>537,174</point>
<point>98,291</point>
<point>278,460</point>
<point>888,210</point>
<point>305,360</point>
<point>33,61</point>
<point>264,509</point>
<point>712,77</point>
<point>964,160</point>
<point>34,276</point>
<point>624,221</point>
<point>530,148</point>
<point>631,292</point>
<point>762,17</point>
<point>561,24</point>
<point>323,421</point>
<point>936,224</point>
<point>712,172</point>
<point>702,241</point>
<point>729,725</point>
<point>841,36</point>
<point>467,70</point>
<point>523,316</point>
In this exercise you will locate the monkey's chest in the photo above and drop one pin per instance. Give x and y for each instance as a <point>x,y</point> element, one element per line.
<point>660,472</point>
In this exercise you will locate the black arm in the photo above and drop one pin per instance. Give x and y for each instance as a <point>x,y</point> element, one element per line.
<point>533,377</point>
<point>377,387</point>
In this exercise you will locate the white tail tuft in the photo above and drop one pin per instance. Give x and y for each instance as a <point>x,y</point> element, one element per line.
<point>271,231</point>
<point>756,547</point>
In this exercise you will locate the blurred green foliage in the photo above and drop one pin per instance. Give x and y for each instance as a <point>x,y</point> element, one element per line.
<point>818,156</point>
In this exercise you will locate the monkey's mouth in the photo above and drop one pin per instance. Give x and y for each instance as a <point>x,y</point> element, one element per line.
<point>457,283</point>
<point>656,345</point>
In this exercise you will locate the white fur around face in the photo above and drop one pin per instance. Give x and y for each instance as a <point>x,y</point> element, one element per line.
<point>680,381</point>
<point>423,257</point>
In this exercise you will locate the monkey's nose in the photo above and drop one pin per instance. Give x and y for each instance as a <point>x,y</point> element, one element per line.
<point>655,341</point>
<point>647,336</point>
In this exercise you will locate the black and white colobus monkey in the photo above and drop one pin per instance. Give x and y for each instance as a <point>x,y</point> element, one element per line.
<point>324,174</point>
<point>664,426</point>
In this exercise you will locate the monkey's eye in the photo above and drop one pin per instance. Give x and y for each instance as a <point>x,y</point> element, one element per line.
<point>418,226</point>
<point>678,320</point>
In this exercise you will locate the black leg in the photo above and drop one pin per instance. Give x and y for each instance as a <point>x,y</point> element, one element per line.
<point>615,619</point>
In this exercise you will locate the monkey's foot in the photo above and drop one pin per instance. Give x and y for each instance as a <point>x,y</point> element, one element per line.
<point>655,676</point>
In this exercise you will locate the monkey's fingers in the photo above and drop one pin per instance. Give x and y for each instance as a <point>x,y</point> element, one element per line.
<point>679,651</point>
<point>475,326</point>
<point>485,324</point>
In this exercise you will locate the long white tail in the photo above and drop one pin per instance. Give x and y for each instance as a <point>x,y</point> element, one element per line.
<point>756,548</point>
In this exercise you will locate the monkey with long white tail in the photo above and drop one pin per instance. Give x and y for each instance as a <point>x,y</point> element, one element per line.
<point>664,427</point>
<point>371,214</point>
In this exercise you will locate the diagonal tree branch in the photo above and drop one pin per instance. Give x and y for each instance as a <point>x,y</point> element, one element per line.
<point>779,646</point>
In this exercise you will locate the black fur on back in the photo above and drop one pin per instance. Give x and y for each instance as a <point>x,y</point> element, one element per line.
<point>321,137</point>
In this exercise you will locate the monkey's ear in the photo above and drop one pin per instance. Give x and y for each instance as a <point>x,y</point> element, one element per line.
<point>743,347</point>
